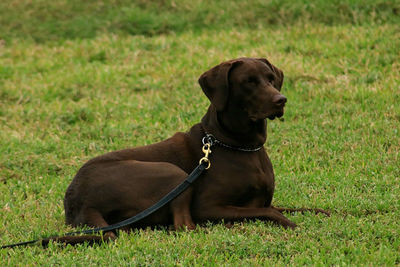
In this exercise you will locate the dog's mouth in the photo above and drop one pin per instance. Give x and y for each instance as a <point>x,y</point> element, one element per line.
<point>271,115</point>
<point>277,114</point>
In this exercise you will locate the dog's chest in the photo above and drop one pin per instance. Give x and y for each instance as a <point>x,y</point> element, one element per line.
<point>241,178</point>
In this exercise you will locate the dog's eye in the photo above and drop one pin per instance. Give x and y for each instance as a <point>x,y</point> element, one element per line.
<point>252,79</point>
<point>271,78</point>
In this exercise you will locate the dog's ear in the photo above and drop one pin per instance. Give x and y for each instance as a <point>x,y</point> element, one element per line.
<point>215,83</point>
<point>278,73</point>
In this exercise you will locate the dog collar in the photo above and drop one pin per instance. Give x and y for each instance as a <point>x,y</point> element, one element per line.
<point>210,139</point>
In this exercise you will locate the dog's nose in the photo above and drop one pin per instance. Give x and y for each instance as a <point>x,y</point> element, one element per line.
<point>279,100</point>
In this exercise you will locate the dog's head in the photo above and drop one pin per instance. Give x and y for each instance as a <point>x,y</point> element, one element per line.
<point>250,84</point>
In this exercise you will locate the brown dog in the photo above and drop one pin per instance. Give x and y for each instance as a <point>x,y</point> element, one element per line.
<point>240,183</point>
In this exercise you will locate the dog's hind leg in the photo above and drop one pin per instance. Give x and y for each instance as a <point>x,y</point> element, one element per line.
<point>95,219</point>
<point>92,218</point>
<point>301,210</point>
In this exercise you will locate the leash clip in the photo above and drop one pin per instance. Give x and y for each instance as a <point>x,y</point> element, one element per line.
<point>207,141</point>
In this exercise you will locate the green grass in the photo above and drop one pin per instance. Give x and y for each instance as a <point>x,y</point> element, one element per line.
<point>79,95</point>
<point>44,20</point>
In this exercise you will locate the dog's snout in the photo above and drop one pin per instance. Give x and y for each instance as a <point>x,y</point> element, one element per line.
<point>279,100</point>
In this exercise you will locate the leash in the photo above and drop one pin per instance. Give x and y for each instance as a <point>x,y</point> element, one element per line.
<point>204,164</point>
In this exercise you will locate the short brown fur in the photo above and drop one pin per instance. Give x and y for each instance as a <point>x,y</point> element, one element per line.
<point>239,185</point>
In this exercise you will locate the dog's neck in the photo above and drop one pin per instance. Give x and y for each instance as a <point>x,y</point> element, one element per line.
<point>234,128</point>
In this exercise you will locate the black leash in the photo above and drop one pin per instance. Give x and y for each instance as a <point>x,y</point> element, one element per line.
<point>203,165</point>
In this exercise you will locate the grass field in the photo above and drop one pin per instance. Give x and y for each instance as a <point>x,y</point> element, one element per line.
<point>78,82</point>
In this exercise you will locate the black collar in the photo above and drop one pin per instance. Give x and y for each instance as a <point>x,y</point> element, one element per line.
<point>210,139</point>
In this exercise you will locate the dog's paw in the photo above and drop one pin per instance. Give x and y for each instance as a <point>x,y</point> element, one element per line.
<point>185,227</point>
<point>291,225</point>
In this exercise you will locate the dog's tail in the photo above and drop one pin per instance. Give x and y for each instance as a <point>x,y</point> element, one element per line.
<point>71,240</point>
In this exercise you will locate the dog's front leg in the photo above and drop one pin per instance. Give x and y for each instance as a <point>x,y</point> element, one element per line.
<point>233,213</point>
<point>302,210</point>
<point>180,208</point>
